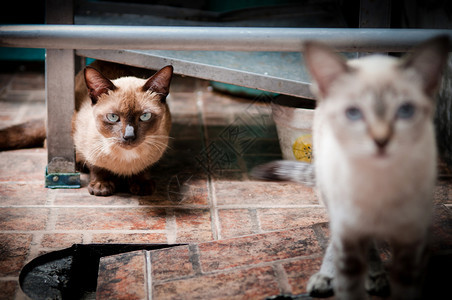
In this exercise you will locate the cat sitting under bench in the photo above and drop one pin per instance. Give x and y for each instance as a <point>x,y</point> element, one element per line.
<point>374,166</point>
<point>120,127</point>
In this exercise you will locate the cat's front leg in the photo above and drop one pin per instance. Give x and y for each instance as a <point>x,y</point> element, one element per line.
<point>350,261</point>
<point>377,282</point>
<point>141,184</point>
<point>406,270</point>
<point>321,283</point>
<point>101,182</point>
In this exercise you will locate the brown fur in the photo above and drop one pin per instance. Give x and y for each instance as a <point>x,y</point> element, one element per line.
<point>116,153</point>
<point>26,135</point>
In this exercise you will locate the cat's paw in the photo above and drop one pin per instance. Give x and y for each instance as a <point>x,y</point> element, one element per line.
<point>378,285</point>
<point>142,187</point>
<point>320,285</point>
<point>101,188</point>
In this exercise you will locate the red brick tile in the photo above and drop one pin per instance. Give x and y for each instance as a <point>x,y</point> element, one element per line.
<point>299,272</point>
<point>186,127</point>
<point>28,81</point>
<point>186,188</point>
<point>82,197</point>
<point>218,104</point>
<point>256,283</point>
<point>441,239</point>
<point>183,84</point>
<point>23,165</point>
<point>22,218</point>
<point>122,276</point>
<point>8,289</point>
<point>183,104</point>
<point>23,193</point>
<point>263,193</point>
<point>171,263</point>
<point>60,240</point>
<point>443,192</point>
<point>281,218</point>
<point>193,225</point>
<point>194,236</point>
<point>255,249</point>
<point>13,252</point>
<point>236,222</point>
<point>129,238</point>
<point>110,219</point>
<point>192,219</point>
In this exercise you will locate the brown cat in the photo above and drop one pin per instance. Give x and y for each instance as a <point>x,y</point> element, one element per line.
<point>120,127</point>
<point>374,166</point>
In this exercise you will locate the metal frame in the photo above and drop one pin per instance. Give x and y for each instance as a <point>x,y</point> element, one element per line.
<point>99,37</point>
<point>127,44</point>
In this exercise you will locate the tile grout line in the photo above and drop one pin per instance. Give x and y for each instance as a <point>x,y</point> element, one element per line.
<point>148,263</point>
<point>193,251</point>
<point>216,226</point>
<point>35,247</point>
<point>38,236</point>
<point>221,206</point>
<point>215,222</point>
<point>52,217</point>
<point>282,279</point>
<point>171,226</point>
<point>256,226</point>
<point>243,267</point>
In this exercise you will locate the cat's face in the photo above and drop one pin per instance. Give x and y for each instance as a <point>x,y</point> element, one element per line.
<point>377,106</point>
<point>378,109</point>
<point>130,111</point>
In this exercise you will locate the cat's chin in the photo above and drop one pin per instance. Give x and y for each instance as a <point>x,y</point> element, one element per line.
<point>382,154</point>
<point>129,145</point>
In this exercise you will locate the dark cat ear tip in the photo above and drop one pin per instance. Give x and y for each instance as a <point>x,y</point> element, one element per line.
<point>88,70</point>
<point>168,68</point>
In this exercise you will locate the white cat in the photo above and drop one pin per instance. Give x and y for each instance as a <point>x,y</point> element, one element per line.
<point>374,165</point>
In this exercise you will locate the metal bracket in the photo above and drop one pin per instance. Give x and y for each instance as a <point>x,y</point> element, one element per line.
<point>62,180</point>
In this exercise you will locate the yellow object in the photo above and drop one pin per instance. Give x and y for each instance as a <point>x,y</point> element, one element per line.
<point>302,148</point>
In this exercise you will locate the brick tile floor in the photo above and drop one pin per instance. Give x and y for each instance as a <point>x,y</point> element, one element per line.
<point>204,197</point>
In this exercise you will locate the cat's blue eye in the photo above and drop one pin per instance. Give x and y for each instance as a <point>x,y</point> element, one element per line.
<point>145,117</point>
<point>112,117</point>
<point>353,114</point>
<point>405,111</point>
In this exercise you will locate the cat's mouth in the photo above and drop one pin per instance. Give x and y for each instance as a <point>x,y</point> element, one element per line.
<point>129,144</point>
<point>381,153</point>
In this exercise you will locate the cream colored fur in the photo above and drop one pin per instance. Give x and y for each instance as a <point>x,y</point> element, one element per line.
<point>375,169</point>
<point>349,171</point>
<point>374,166</point>
<point>93,148</point>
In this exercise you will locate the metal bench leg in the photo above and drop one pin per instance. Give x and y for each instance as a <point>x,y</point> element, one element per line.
<point>60,95</point>
<point>60,171</point>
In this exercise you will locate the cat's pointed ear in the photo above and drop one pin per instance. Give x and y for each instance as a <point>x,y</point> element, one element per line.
<point>97,84</point>
<point>160,82</point>
<point>429,60</point>
<point>324,65</point>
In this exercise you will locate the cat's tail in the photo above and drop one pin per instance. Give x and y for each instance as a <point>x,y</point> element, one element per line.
<point>285,170</point>
<point>26,135</point>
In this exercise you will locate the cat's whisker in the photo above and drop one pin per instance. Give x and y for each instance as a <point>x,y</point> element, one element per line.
<point>160,148</point>
<point>154,143</point>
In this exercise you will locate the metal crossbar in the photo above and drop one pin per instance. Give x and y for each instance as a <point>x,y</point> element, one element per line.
<point>210,38</point>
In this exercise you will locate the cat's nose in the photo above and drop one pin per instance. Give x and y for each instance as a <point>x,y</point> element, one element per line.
<point>129,133</point>
<point>381,142</point>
